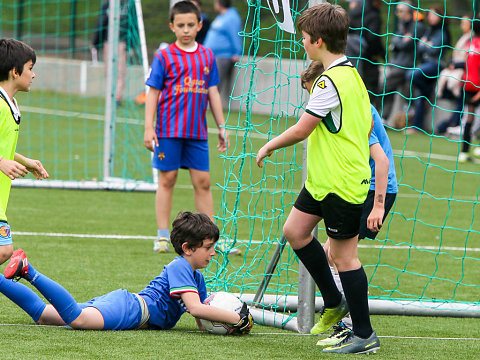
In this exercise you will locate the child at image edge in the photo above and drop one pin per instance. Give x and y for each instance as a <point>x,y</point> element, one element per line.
<point>182,81</point>
<point>179,288</point>
<point>337,122</point>
<point>16,74</point>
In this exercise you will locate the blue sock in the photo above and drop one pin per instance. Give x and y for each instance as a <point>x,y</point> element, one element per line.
<point>163,233</point>
<point>56,294</point>
<point>21,295</point>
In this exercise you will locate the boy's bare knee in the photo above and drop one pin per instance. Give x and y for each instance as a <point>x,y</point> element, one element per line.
<point>202,185</point>
<point>293,236</point>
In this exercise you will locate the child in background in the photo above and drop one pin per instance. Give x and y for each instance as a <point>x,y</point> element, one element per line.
<point>183,81</point>
<point>472,91</point>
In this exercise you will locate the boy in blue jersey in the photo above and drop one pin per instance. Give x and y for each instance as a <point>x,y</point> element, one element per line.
<point>183,81</point>
<point>179,288</point>
<point>381,195</point>
<point>16,74</point>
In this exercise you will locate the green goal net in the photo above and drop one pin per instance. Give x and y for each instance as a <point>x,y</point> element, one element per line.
<point>64,114</point>
<point>427,254</point>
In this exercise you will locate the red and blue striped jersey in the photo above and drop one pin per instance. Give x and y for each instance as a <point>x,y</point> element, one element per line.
<point>183,79</point>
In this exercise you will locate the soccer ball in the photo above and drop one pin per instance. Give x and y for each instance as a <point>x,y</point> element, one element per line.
<point>226,301</point>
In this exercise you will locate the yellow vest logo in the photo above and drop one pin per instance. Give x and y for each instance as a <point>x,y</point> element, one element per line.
<point>321,84</point>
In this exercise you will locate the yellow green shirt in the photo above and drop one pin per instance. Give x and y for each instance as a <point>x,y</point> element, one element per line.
<point>338,151</point>
<point>9,126</point>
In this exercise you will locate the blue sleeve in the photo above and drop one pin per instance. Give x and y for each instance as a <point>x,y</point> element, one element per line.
<point>234,30</point>
<point>180,278</point>
<point>156,79</point>
<point>377,121</point>
<point>213,78</point>
<point>373,138</point>
<point>202,289</point>
<point>237,40</point>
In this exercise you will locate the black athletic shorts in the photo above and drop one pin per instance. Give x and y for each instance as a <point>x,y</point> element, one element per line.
<point>342,219</point>
<point>468,98</point>
<point>367,208</point>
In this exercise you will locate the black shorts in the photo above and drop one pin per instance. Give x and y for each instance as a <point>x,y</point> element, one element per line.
<point>342,219</point>
<point>468,98</point>
<point>367,208</point>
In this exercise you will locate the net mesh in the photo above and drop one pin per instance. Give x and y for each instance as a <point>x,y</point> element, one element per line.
<point>428,247</point>
<point>66,106</point>
<point>427,250</point>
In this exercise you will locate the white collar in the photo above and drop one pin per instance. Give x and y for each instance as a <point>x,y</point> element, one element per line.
<point>12,104</point>
<point>192,49</point>
<point>338,61</point>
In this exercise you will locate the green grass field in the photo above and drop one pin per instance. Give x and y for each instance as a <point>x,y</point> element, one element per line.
<point>92,266</point>
<point>428,247</point>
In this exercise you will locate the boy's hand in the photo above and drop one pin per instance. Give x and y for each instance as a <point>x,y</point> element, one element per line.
<point>223,140</point>
<point>262,154</point>
<point>375,219</point>
<point>246,321</point>
<point>12,169</point>
<point>36,168</point>
<point>475,98</point>
<point>149,138</point>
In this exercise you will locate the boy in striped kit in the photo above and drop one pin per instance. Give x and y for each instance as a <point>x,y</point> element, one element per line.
<point>183,81</point>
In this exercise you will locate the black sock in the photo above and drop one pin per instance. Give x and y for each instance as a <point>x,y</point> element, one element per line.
<point>355,287</point>
<point>314,258</point>
<point>467,137</point>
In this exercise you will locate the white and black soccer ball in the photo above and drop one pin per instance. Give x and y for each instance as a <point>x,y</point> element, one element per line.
<point>226,301</point>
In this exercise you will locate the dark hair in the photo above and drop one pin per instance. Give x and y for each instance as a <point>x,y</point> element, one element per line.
<point>192,228</point>
<point>328,22</point>
<point>440,11</point>
<point>14,54</point>
<point>314,70</point>
<point>225,3</point>
<point>476,26</point>
<point>184,7</point>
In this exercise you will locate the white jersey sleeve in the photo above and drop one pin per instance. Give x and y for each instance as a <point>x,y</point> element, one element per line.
<point>324,98</point>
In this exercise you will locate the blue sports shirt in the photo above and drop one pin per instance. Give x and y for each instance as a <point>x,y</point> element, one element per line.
<point>162,295</point>
<point>183,78</point>
<point>223,36</point>
<point>379,135</point>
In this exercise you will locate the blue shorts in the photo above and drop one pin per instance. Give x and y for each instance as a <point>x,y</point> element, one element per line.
<point>173,154</point>
<point>120,309</point>
<point>5,234</point>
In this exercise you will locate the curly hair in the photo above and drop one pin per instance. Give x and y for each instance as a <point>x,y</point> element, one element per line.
<point>193,229</point>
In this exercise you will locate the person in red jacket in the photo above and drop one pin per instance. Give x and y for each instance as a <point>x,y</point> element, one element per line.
<point>472,90</point>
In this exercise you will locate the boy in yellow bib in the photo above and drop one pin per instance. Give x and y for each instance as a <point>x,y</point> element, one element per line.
<point>16,74</point>
<point>338,123</point>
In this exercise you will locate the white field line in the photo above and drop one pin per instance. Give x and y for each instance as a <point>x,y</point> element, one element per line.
<point>121,120</point>
<point>133,121</point>
<point>278,334</point>
<point>143,237</point>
